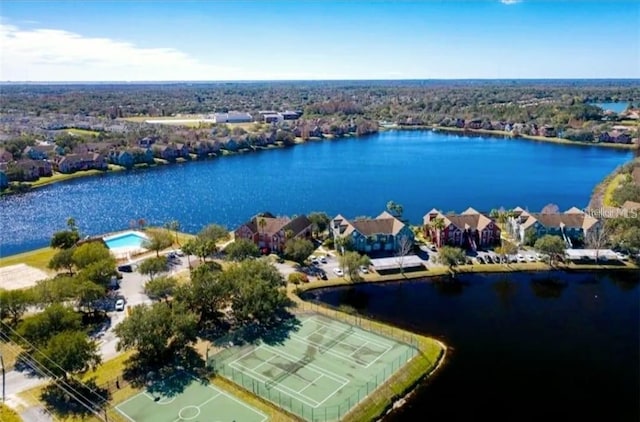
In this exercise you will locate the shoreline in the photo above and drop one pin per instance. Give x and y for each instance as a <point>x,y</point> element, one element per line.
<point>469,269</point>
<point>114,168</point>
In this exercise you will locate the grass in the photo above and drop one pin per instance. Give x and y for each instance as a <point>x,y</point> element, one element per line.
<point>9,354</point>
<point>38,258</point>
<point>59,177</point>
<point>612,186</point>
<point>81,132</point>
<point>8,415</point>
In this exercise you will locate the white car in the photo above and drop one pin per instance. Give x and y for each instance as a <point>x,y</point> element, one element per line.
<point>540,257</point>
<point>520,258</point>
<point>120,305</point>
<point>363,269</point>
<point>622,257</point>
<point>323,260</point>
<point>179,252</point>
<point>532,258</point>
<point>338,272</point>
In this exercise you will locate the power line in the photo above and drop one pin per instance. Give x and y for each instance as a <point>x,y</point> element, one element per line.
<point>61,383</point>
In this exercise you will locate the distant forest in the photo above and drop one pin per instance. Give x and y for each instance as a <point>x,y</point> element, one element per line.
<point>557,102</point>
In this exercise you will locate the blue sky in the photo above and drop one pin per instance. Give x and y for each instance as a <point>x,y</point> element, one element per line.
<point>271,40</point>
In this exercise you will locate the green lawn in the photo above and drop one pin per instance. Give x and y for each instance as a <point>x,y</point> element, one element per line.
<point>38,258</point>
<point>8,415</point>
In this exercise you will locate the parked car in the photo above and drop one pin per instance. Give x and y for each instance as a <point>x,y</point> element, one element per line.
<point>531,258</point>
<point>338,272</point>
<point>364,269</point>
<point>488,259</point>
<point>433,247</point>
<point>125,268</point>
<point>521,258</point>
<point>179,252</point>
<point>120,305</point>
<point>622,257</point>
<point>323,260</point>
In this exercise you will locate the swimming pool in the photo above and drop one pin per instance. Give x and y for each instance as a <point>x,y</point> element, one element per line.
<point>130,240</point>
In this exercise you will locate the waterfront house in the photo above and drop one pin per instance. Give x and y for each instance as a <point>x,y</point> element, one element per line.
<point>270,233</point>
<point>272,118</point>
<point>460,123</point>
<point>182,151</point>
<point>165,152</point>
<point>469,230</point>
<point>34,169</point>
<point>4,180</point>
<point>122,158</point>
<point>5,156</point>
<point>76,162</point>
<point>383,234</point>
<point>142,155</point>
<point>547,130</point>
<point>147,141</point>
<point>201,148</point>
<point>573,226</point>
<point>474,124</point>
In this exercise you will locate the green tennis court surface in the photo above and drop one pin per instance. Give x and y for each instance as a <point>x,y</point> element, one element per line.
<point>320,371</point>
<point>198,402</point>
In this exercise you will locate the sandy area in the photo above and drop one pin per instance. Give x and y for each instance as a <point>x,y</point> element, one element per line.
<point>20,276</point>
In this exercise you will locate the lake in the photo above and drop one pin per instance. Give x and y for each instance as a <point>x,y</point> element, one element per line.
<point>352,176</point>
<point>522,347</point>
<point>618,107</point>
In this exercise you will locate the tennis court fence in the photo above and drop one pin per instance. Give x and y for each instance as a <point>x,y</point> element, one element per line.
<point>265,389</point>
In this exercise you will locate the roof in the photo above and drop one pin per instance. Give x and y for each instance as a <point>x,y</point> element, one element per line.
<point>298,224</point>
<point>273,225</point>
<point>391,263</point>
<point>571,219</point>
<point>630,205</point>
<point>384,223</point>
<point>469,219</point>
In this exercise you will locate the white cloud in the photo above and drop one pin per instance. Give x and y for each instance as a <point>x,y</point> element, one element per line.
<point>59,55</point>
<point>509,2</point>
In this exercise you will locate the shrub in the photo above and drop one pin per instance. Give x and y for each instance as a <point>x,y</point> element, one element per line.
<point>328,243</point>
<point>297,278</point>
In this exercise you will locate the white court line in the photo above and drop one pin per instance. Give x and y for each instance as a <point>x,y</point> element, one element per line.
<point>355,351</point>
<point>310,384</point>
<point>246,354</point>
<point>318,369</point>
<point>198,406</point>
<point>265,417</point>
<point>265,362</point>
<point>379,356</point>
<point>291,393</point>
<point>330,351</point>
<point>375,341</point>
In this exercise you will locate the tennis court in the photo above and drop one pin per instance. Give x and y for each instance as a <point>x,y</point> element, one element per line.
<point>320,371</point>
<point>198,402</point>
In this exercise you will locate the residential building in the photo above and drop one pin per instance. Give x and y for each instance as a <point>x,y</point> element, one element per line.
<point>75,162</point>
<point>122,158</point>
<point>271,233</point>
<point>40,152</point>
<point>574,226</point>
<point>383,234</point>
<point>470,230</point>
<point>34,169</point>
<point>232,117</point>
<point>475,124</point>
<point>165,152</point>
<point>548,131</point>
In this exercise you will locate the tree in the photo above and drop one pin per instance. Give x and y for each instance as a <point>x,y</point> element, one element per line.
<point>258,291</point>
<point>64,239</point>
<point>395,209</point>
<point>205,295</point>
<point>298,249</point>
<point>550,209</point>
<point>63,259</point>
<point>160,288</point>
<point>14,303</point>
<point>175,226</point>
<point>158,239</point>
<point>297,278</point>
<point>597,238</point>
<point>350,263</point>
<point>70,352</point>
<point>451,256</point>
<point>214,233</point>
<point>506,249</point>
<point>39,328</point>
<point>242,249</point>
<point>89,253</point>
<point>319,222</point>
<point>438,225</point>
<point>99,272</point>
<point>199,247</point>
<point>157,332</point>
<point>404,246</point>
<point>152,266</point>
<point>550,245</point>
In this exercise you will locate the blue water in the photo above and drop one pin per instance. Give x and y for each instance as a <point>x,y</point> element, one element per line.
<point>130,240</point>
<point>354,176</point>
<point>522,349</point>
<point>615,107</point>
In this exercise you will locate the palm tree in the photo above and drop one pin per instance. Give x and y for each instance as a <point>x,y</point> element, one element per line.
<point>262,223</point>
<point>438,224</point>
<point>174,225</point>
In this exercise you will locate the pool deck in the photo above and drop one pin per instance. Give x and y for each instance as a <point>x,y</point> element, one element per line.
<point>125,252</point>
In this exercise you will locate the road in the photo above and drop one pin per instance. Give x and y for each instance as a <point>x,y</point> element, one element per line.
<point>132,290</point>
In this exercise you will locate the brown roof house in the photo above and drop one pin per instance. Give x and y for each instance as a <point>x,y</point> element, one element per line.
<point>470,230</point>
<point>573,226</point>
<point>385,233</point>
<point>270,233</point>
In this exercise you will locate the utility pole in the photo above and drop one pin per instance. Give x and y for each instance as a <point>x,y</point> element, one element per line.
<point>3,383</point>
